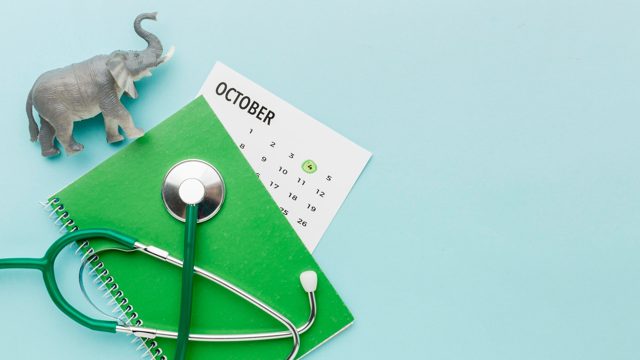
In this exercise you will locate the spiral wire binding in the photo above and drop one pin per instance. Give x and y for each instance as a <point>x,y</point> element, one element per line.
<point>122,310</point>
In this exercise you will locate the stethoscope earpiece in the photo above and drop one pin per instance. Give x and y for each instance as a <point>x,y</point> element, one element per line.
<point>309,281</point>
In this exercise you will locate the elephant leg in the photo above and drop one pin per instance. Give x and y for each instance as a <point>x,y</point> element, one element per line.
<point>64,133</point>
<point>111,127</point>
<point>114,111</point>
<point>46,139</point>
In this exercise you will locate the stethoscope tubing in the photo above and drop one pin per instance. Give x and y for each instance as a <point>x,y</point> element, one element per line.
<point>192,193</point>
<point>45,265</point>
<point>186,296</point>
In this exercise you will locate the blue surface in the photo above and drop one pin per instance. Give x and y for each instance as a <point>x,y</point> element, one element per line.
<point>498,218</point>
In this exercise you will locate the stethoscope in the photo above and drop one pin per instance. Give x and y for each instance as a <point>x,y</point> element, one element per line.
<point>193,192</point>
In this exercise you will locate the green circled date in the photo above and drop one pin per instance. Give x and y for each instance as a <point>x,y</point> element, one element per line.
<point>309,166</point>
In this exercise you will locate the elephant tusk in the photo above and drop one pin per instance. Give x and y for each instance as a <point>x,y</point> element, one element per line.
<point>166,57</point>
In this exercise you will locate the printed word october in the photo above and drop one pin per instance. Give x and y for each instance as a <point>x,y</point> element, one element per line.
<point>244,102</point>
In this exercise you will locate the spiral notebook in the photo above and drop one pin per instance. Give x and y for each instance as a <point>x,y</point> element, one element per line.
<point>249,243</point>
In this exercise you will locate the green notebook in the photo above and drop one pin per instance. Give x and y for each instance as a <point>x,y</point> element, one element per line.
<point>249,242</point>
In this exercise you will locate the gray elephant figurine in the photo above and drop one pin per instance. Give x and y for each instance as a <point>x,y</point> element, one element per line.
<point>83,90</point>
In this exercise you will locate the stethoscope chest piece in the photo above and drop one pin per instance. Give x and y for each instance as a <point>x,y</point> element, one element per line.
<point>193,182</point>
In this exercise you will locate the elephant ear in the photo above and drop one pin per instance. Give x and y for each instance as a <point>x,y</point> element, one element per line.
<point>122,75</point>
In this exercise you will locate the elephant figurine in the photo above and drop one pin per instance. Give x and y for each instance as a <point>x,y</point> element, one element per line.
<point>83,90</point>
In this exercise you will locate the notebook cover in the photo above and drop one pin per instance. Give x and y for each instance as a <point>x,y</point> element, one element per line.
<point>249,242</point>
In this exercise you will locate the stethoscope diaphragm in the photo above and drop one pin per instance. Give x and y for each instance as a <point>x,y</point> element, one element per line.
<point>193,182</point>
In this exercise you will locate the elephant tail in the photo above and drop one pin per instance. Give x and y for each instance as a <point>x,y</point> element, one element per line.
<point>33,126</point>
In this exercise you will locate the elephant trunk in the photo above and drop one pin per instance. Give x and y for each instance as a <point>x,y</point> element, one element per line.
<point>154,45</point>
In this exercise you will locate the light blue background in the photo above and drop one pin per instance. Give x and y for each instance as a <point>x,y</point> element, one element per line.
<point>499,217</point>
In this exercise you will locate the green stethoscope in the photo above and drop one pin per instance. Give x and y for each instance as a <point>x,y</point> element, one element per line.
<point>193,192</point>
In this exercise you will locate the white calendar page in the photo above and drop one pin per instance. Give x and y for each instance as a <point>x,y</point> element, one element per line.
<point>307,167</point>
